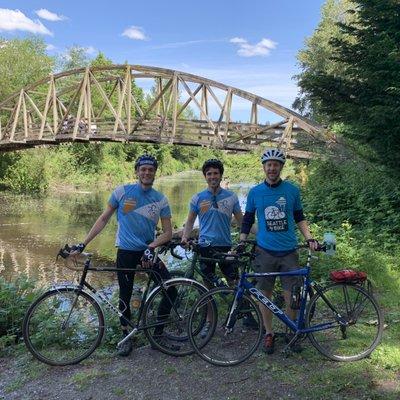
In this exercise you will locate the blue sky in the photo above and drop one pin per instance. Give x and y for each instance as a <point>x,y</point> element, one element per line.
<point>251,45</point>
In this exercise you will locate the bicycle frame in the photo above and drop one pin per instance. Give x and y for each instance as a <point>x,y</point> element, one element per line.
<point>101,299</point>
<point>298,326</point>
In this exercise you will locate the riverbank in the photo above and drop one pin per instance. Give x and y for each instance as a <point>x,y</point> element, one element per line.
<point>148,374</point>
<point>104,165</point>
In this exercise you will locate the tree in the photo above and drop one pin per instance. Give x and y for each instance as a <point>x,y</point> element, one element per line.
<point>365,97</point>
<point>316,56</point>
<point>75,57</point>
<point>22,61</point>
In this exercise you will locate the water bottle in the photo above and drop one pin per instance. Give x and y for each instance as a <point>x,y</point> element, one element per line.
<point>330,243</point>
<point>136,299</point>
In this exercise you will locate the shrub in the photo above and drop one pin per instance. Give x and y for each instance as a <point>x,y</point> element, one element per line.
<point>28,174</point>
<point>15,298</point>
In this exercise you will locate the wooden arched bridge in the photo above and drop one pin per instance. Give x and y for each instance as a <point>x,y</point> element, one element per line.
<point>135,103</point>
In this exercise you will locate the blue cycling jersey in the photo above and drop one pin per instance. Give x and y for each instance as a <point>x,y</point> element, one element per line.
<point>275,208</point>
<point>215,213</point>
<point>138,212</point>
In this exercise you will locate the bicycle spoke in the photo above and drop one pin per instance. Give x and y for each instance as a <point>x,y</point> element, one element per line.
<point>355,337</point>
<point>63,327</point>
<point>166,316</point>
<point>228,341</point>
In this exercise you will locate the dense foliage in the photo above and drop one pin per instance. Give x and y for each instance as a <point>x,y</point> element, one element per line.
<point>15,298</point>
<point>363,92</point>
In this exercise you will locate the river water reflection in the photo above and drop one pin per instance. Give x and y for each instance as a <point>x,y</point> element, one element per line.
<point>33,230</point>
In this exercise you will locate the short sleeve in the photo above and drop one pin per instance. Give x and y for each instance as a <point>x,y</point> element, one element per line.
<point>116,196</point>
<point>193,205</point>
<point>236,205</point>
<point>165,210</point>
<point>297,202</point>
<point>250,205</point>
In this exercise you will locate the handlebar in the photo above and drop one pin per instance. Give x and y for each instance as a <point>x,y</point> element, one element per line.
<point>320,247</point>
<point>66,251</point>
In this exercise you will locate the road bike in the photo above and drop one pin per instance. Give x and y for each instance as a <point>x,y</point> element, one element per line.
<point>342,320</point>
<point>66,323</point>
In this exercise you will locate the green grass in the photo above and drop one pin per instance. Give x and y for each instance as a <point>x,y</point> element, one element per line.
<point>84,378</point>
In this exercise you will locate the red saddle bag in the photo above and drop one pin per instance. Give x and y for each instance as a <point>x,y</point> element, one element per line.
<point>348,275</point>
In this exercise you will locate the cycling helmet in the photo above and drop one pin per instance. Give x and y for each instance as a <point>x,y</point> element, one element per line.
<point>213,163</point>
<point>273,153</point>
<point>146,159</point>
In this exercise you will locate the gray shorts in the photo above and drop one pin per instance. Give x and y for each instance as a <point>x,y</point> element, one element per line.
<point>265,262</point>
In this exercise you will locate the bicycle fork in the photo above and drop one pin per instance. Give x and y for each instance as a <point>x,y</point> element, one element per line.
<point>232,316</point>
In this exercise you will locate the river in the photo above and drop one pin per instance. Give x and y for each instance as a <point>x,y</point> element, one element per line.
<point>33,230</point>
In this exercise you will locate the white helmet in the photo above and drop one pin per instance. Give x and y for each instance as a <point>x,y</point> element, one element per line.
<point>273,153</point>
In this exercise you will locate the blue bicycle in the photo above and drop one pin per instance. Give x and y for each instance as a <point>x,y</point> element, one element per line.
<point>342,320</point>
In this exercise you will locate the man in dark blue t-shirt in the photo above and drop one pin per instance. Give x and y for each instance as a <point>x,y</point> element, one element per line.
<point>278,208</point>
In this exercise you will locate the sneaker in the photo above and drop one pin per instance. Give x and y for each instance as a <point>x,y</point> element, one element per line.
<point>126,348</point>
<point>249,322</point>
<point>206,328</point>
<point>269,343</point>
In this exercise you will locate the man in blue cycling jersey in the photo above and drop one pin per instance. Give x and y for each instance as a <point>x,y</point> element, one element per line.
<point>139,208</point>
<point>214,207</point>
<point>278,208</point>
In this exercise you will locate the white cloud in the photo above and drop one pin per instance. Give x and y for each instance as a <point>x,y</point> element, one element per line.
<point>50,47</point>
<point>91,50</point>
<point>238,40</point>
<point>262,48</point>
<point>135,33</point>
<point>48,15</point>
<point>12,20</point>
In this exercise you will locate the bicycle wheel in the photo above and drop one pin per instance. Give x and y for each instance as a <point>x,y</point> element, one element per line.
<point>229,341</point>
<point>359,330</point>
<point>63,327</point>
<point>166,315</point>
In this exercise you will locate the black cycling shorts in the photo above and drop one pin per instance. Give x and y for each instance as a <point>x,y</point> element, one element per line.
<point>228,268</point>
<point>129,259</point>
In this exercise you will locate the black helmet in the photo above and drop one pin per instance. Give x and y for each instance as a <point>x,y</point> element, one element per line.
<point>146,159</point>
<point>213,163</point>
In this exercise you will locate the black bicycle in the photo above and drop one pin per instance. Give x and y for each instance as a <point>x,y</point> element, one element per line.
<point>66,323</point>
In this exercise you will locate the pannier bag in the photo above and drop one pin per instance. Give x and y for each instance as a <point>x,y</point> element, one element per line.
<point>348,275</point>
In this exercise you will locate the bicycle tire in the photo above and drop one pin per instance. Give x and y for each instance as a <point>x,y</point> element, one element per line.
<point>174,339</point>
<point>55,345</point>
<point>364,322</point>
<point>225,346</point>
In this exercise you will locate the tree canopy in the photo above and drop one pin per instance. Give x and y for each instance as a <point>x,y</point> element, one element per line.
<point>361,86</point>
<point>22,61</point>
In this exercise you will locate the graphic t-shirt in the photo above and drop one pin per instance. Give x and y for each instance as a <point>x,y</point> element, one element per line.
<point>215,213</point>
<point>274,208</point>
<point>138,212</point>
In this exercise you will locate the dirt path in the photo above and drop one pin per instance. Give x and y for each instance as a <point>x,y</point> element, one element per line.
<point>150,375</point>
<point>146,374</point>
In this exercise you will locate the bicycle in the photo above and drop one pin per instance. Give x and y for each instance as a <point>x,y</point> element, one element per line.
<point>193,271</point>
<point>66,323</point>
<point>342,320</point>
